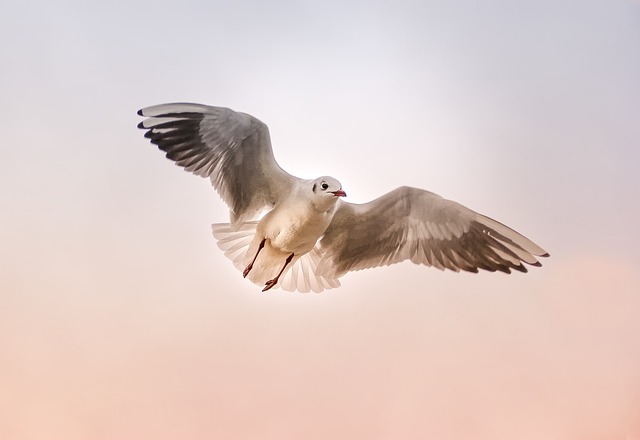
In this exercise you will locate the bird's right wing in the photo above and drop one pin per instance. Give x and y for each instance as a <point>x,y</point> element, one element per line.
<point>232,149</point>
<point>413,224</point>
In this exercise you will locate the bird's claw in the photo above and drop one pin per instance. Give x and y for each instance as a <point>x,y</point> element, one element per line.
<point>269,284</point>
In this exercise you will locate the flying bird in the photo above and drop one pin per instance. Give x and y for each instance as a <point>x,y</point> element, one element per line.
<point>309,236</point>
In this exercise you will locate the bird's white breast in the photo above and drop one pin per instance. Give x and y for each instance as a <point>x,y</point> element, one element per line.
<point>296,227</point>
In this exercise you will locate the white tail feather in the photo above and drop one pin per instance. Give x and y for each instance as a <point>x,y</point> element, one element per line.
<point>300,275</point>
<point>234,241</point>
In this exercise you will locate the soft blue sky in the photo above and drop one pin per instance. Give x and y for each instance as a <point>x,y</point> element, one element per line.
<point>119,317</point>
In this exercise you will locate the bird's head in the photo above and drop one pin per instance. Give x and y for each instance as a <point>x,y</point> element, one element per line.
<point>325,192</point>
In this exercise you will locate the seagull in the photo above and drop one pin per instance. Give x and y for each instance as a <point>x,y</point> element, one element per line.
<point>299,234</point>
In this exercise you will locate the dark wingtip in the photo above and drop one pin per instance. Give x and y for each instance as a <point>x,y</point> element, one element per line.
<point>536,264</point>
<point>141,125</point>
<point>521,268</point>
<point>140,112</point>
<point>546,254</point>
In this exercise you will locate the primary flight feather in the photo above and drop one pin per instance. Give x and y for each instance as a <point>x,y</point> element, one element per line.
<point>309,237</point>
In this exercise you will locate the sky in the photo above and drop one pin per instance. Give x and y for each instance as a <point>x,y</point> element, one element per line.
<point>121,320</point>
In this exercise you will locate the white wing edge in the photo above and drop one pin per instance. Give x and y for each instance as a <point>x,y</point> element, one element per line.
<point>530,248</point>
<point>178,107</point>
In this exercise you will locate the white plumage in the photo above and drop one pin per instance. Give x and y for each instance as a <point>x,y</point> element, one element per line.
<point>309,237</point>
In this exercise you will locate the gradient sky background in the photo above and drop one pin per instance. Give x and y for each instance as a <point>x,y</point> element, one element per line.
<point>121,320</point>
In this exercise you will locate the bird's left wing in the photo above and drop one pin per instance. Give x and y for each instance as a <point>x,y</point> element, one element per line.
<point>413,224</point>
<point>233,149</point>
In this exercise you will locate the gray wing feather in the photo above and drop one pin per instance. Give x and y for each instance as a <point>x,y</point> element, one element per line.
<point>413,224</point>
<point>232,149</point>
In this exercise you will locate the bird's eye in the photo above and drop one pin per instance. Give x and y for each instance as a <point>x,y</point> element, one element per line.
<point>324,185</point>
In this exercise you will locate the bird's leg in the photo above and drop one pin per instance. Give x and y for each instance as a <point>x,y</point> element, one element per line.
<point>250,266</point>
<point>269,284</point>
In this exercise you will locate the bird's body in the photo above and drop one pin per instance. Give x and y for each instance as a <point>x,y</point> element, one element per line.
<point>293,228</point>
<point>297,223</point>
<point>308,237</point>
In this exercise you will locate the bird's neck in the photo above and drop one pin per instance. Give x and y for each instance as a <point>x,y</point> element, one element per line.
<point>325,207</point>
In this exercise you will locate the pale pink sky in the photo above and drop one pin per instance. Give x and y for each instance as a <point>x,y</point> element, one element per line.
<point>121,320</point>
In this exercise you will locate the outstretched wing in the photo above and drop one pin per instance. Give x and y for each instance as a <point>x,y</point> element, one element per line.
<point>232,149</point>
<point>413,224</point>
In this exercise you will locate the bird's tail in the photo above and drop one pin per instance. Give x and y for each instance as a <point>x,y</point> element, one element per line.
<point>299,276</point>
<point>235,241</point>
